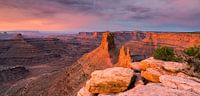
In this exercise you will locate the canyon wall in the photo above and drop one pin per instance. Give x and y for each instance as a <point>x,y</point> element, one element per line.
<point>19,52</point>
<point>142,44</point>
<point>179,41</point>
<point>71,79</point>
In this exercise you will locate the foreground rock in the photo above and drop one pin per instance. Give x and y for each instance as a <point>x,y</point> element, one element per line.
<point>152,69</point>
<point>167,65</point>
<point>180,83</point>
<point>174,66</point>
<point>153,89</point>
<point>150,63</point>
<point>152,74</point>
<point>110,80</point>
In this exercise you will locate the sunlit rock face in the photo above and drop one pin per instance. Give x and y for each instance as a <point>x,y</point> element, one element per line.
<point>152,68</point>
<point>142,44</point>
<point>102,57</point>
<point>110,80</point>
<point>124,58</point>
<point>75,76</point>
<point>175,40</point>
<point>142,49</point>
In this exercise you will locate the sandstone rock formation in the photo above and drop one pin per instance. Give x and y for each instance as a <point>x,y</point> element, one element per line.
<point>124,58</point>
<point>152,74</point>
<point>102,57</point>
<point>152,69</point>
<point>150,63</point>
<point>171,85</point>
<point>153,89</point>
<point>70,81</point>
<point>142,44</point>
<point>110,80</point>
<point>180,83</point>
<point>174,66</point>
<point>142,49</point>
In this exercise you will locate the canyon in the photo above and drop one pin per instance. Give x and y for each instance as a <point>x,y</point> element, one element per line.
<point>61,65</point>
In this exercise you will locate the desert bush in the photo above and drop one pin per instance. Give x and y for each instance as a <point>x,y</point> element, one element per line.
<point>194,69</point>
<point>166,54</point>
<point>193,51</point>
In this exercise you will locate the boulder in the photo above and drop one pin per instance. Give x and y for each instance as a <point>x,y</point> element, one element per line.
<point>180,83</point>
<point>152,74</point>
<point>167,65</point>
<point>150,63</point>
<point>84,92</point>
<point>174,66</point>
<point>110,80</point>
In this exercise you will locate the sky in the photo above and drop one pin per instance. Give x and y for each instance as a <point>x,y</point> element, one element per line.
<point>100,15</point>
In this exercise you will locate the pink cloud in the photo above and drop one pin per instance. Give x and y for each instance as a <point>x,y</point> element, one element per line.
<point>21,19</point>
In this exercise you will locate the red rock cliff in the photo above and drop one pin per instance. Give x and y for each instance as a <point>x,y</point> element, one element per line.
<point>74,77</point>
<point>179,41</point>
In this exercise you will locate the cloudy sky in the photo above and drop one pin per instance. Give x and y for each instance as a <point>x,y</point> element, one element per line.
<point>100,15</point>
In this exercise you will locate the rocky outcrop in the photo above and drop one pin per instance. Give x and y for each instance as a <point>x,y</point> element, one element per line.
<point>152,69</point>
<point>110,80</point>
<point>153,89</point>
<point>174,66</point>
<point>69,81</point>
<point>152,74</point>
<point>73,78</point>
<point>150,63</point>
<point>180,83</point>
<point>142,44</point>
<point>102,57</point>
<point>170,85</point>
<point>167,65</point>
<point>124,58</point>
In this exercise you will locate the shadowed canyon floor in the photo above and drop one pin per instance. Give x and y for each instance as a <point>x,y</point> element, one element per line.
<point>61,65</point>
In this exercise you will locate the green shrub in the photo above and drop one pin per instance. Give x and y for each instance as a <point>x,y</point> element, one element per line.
<point>193,51</point>
<point>166,54</point>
